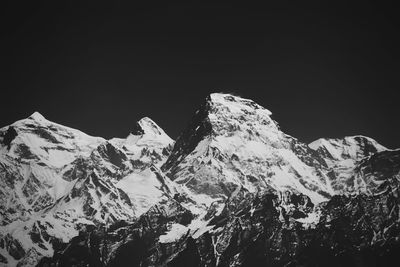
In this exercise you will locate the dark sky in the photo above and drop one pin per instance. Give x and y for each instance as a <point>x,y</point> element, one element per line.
<point>324,71</point>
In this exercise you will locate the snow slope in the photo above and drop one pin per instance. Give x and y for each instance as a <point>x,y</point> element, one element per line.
<point>342,156</point>
<point>231,165</point>
<point>56,181</point>
<point>233,143</point>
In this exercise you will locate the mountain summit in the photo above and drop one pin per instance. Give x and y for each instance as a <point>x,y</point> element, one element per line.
<point>234,143</point>
<point>147,126</point>
<point>37,116</point>
<point>232,190</point>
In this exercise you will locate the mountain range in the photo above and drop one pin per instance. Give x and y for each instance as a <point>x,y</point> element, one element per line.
<point>232,190</point>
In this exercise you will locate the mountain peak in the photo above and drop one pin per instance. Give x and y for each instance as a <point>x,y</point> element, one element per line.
<point>227,114</point>
<point>232,176</point>
<point>228,134</point>
<point>355,147</point>
<point>224,115</point>
<point>37,117</point>
<point>235,104</point>
<point>146,126</point>
<point>353,141</point>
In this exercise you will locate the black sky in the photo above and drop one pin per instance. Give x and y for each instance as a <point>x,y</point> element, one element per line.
<point>323,70</point>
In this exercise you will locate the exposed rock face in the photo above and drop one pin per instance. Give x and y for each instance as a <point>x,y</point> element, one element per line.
<point>8,136</point>
<point>234,190</point>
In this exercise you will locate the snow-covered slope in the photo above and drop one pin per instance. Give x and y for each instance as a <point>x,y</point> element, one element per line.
<point>233,143</point>
<point>62,179</point>
<point>233,190</point>
<point>342,156</point>
<point>350,147</point>
<point>33,154</point>
<point>147,143</point>
<point>37,139</point>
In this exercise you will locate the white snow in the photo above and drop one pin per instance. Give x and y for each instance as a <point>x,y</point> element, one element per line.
<point>143,188</point>
<point>196,229</point>
<point>38,117</point>
<point>311,220</point>
<point>342,156</point>
<point>236,104</point>
<point>175,232</point>
<point>246,150</point>
<point>153,139</point>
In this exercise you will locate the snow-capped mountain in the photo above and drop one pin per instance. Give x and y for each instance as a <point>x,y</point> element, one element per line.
<point>342,156</point>
<point>56,180</point>
<point>147,144</point>
<point>34,154</point>
<point>233,190</point>
<point>233,143</point>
